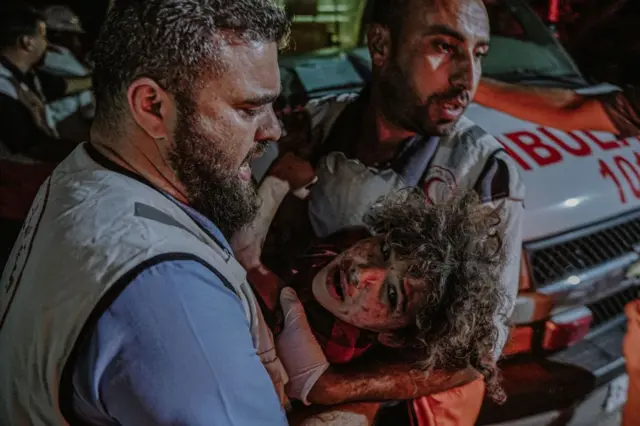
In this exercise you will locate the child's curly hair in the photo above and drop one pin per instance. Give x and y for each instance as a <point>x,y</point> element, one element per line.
<point>456,246</point>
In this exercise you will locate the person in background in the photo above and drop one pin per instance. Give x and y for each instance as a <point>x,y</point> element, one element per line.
<point>71,114</point>
<point>29,143</point>
<point>617,112</point>
<point>65,29</point>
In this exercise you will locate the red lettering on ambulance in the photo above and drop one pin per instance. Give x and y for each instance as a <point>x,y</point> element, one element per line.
<point>606,172</point>
<point>579,149</point>
<point>605,145</point>
<point>513,155</point>
<point>531,143</point>
<point>630,174</point>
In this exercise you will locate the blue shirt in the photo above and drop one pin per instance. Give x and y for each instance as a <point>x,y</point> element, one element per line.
<point>174,348</point>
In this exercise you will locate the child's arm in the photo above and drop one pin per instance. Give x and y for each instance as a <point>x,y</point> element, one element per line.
<point>378,381</point>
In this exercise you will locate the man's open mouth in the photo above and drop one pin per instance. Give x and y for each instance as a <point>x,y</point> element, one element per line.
<point>256,152</point>
<point>452,109</point>
<point>259,150</point>
<point>453,106</point>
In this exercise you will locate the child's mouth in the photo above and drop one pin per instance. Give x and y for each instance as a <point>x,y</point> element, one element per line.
<point>335,284</point>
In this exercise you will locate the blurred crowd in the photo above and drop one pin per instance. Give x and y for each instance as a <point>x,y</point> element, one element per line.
<point>46,103</point>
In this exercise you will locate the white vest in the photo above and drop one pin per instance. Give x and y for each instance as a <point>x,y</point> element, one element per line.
<point>346,188</point>
<point>88,228</point>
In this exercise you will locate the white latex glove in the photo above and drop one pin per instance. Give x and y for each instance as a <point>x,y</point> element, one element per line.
<point>298,348</point>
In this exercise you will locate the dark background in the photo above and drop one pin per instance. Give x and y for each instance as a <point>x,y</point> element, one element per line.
<point>603,36</point>
<point>91,12</point>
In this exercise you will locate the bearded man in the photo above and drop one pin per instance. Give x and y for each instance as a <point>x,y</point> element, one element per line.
<point>121,302</point>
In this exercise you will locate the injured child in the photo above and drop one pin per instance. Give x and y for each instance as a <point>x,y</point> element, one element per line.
<point>416,283</point>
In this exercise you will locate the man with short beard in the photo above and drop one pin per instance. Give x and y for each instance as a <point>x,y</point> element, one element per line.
<point>121,303</point>
<point>405,129</point>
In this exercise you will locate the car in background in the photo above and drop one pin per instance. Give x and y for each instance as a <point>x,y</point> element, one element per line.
<point>582,222</point>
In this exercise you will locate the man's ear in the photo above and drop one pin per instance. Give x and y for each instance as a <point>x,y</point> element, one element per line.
<point>151,107</point>
<point>390,340</point>
<point>26,43</point>
<point>379,42</point>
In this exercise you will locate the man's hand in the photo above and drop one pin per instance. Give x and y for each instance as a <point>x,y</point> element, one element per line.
<point>298,348</point>
<point>297,172</point>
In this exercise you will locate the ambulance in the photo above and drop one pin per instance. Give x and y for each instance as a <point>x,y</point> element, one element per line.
<point>581,247</point>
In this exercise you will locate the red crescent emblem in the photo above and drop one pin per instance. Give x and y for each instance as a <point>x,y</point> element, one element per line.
<point>436,178</point>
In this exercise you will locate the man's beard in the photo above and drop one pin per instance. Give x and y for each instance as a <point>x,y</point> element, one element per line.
<point>404,108</point>
<point>210,177</point>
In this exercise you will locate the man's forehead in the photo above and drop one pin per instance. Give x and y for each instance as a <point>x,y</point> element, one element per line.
<point>468,18</point>
<point>249,69</point>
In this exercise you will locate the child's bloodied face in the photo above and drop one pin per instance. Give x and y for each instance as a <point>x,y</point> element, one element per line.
<point>369,287</point>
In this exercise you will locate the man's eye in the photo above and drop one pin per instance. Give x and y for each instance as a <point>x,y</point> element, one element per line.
<point>482,54</point>
<point>392,294</point>
<point>251,112</point>
<point>444,47</point>
<point>385,251</point>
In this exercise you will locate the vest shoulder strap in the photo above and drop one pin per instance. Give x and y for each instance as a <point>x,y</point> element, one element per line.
<point>148,212</point>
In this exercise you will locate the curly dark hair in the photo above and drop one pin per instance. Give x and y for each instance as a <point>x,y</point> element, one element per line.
<point>173,42</point>
<point>456,246</point>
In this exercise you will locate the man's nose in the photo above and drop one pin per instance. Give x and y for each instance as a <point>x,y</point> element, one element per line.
<point>464,72</point>
<point>269,128</point>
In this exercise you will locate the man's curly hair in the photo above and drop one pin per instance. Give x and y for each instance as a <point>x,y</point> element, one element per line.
<point>456,247</point>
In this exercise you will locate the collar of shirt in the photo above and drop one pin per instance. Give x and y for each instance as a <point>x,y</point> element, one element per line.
<point>28,78</point>
<point>204,222</point>
<point>198,217</point>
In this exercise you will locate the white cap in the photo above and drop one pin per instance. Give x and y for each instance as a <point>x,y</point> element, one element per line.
<point>61,18</point>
